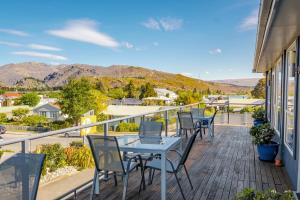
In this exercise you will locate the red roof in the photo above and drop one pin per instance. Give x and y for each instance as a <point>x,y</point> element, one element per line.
<point>12,95</point>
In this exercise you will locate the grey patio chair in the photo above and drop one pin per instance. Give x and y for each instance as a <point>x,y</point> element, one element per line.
<point>209,123</point>
<point>20,176</point>
<point>107,157</point>
<point>198,112</point>
<point>176,166</point>
<point>186,123</point>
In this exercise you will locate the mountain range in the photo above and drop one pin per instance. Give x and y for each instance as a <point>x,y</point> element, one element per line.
<point>248,82</point>
<point>40,75</point>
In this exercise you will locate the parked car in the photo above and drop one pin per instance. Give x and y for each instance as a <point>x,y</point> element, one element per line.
<point>75,133</point>
<point>2,129</point>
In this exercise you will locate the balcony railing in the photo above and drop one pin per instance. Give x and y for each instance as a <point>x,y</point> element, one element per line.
<point>228,114</point>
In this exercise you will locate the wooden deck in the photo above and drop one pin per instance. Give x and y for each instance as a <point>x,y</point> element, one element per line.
<point>218,170</point>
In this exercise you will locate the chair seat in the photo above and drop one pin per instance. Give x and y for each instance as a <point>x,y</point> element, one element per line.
<point>144,156</point>
<point>156,164</point>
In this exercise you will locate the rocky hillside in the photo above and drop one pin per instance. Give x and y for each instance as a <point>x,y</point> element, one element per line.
<point>11,73</point>
<point>113,76</point>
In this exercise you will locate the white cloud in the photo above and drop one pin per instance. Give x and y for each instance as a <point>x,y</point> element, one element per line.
<point>166,24</point>
<point>250,22</point>
<point>151,24</point>
<point>215,51</point>
<point>85,30</point>
<point>155,44</point>
<point>10,44</point>
<point>127,45</point>
<point>171,24</point>
<point>39,55</point>
<point>44,47</point>
<point>14,32</point>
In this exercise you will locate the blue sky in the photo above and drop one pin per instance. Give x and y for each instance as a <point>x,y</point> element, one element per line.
<point>205,39</point>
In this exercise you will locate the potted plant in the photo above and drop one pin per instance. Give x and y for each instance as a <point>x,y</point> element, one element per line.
<point>259,116</point>
<point>262,136</point>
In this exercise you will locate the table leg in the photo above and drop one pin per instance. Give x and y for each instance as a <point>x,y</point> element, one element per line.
<point>163,182</point>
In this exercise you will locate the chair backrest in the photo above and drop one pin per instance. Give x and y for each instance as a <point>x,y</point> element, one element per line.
<point>150,129</point>
<point>185,120</point>
<point>106,153</point>
<point>187,149</point>
<point>198,112</point>
<point>20,176</point>
<point>214,115</point>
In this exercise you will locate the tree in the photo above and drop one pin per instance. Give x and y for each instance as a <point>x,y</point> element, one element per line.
<point>2,91</point>
<point>78,97</point>
<point>260,89</point>
<point>30,99</point>
<point>3,117</point>
<point>116,93</point>
<point>20,113</point>
<point>147,90</point>
<point>130,89</point>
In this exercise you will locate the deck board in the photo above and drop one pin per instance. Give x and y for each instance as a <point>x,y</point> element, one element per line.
<point>218,170</point>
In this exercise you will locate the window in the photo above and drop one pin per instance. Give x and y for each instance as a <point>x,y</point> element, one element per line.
<point>268,85</point>
<point>290,99</point>
<point>53,115</point>
<point>43,113</point>
<point>278,96</point>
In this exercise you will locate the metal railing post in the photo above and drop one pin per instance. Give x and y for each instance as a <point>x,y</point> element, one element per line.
<point>105,129</point>
<point>166,122</point>
<point>228,113</point>
<point>25,146</point>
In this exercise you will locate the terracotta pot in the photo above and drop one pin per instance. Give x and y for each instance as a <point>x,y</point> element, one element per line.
<point>278,163</point>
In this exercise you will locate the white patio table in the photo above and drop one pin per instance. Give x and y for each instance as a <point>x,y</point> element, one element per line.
<point>132,143</point>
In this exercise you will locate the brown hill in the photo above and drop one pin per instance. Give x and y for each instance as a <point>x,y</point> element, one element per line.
<point>113,76</point>
<point>11,73</point>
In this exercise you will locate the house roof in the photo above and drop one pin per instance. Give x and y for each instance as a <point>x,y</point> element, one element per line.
<point>278,27</point>
<point>123,110</point>
<point>11,95</point>
<point>47,107</point>
<point>126,101</point>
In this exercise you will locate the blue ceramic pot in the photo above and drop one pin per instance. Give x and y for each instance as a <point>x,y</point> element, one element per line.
<point>267,152</point>
<point>258,122</point>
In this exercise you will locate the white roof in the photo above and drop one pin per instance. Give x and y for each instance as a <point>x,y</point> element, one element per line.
<point>123,110</point>
<point>162,98</point>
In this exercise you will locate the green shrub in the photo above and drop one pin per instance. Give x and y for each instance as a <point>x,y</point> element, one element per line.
<point>55,157</point>
<point>247,109</point>
<point>259,114</point>
<point>251,194</point>
<point>3,117</point>
<point>1,153</point>
<point>262,134</point>
<point>19,113</point>
<point>127,127</point>
<point>34,120</point>
<point>57,125</point>
<point>79,156</point>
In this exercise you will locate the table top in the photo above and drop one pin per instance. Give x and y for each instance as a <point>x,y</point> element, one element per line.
<point>133,143</point>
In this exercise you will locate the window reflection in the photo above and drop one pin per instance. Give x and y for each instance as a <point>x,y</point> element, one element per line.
<point>290,104</point>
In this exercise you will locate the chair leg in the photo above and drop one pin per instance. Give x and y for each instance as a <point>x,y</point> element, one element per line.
<point>152,177</point>
<point>149,177</point>
<point>94,184</point>
<point>125,186</point>
<point>188,176</point>
<point>115,178</point>
<point>179,185</point>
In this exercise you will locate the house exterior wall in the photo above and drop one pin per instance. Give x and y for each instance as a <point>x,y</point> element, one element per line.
<point>283,109</point>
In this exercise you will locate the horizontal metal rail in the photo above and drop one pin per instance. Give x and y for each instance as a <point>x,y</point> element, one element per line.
<point>57,132</point>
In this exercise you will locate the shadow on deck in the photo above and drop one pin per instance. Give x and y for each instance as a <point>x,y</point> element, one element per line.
<point>218,171</point>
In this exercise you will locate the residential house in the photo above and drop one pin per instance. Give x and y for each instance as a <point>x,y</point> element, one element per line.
<point>9,98</point>
<point>50,111</point>
<point>277,55</point>
<point>161,92</point>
